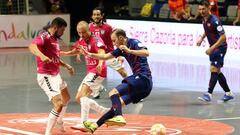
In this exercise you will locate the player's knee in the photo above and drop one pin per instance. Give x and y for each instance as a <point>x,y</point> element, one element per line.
<point>58,105</point>
<point>77,98</point>
<point>113,92</point>
<point>122,72</point>
<point>214,69</point>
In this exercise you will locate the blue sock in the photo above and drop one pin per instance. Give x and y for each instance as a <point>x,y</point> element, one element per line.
<point>212,82</point>
<point>223,82</point>
<point>116,104</point>
<point>105,117</point>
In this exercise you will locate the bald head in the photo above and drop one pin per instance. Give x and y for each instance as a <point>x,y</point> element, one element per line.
<point>83,30</point>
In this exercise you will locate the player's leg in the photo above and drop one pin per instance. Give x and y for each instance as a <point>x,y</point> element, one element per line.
<point>115,112</point>
<point>222,80</point>
<point>122,71</point>
<point>82,99</point>
<point>212,82</point>
<point>51,86</point>
<point>65,100</point>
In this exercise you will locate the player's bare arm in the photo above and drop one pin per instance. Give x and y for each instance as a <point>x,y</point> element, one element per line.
<point>97,56</point>
<point>72,52</point>
<point>99,66</point>
<point>34,50</point>
<point>201,39</point>
<point>216,45</point>
<point>67,66</point>
<point>142,52</point>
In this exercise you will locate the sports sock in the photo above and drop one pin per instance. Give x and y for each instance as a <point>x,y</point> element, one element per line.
<point>116,104</point>
<point>60,118</point>
<point>85,107</point>
<point>52,118</point>
<point>223,82</point>
<point>96,107</point>
<point>212,82</point>
<point>105,117</point>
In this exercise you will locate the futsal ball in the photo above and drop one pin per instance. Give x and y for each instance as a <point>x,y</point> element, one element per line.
<point>158,129</point>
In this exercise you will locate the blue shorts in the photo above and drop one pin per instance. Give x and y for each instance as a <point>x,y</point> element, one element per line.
<point>217,58</point>
<point>134,88</point>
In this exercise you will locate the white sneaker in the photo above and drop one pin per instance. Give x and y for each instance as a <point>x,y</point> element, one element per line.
<point>80,127</point>
<point>60,126</point>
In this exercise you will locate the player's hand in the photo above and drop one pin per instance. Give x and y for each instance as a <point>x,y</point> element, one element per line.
<point>199,42</point>
<point>70,70</point>
<point>124,48</point>
<point>99,68</point>
<point>85,52</point>
<point>78,59</point>
<point>209,51</point>
<point>45,59</point>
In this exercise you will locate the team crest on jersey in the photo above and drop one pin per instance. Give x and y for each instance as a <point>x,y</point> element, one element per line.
<point>102,32</point>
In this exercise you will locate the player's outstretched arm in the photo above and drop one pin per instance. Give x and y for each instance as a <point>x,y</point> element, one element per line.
<point>142,52</point>
<point>97,55</point>
<point>68,67</point>
<point>72,52</point>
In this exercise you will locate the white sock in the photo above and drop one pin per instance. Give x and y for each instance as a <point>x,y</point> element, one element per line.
<point>52,118</point>
<point>85,107</point>
<point>60,118</point>
<point>96,107</point>
<point>229,93</point>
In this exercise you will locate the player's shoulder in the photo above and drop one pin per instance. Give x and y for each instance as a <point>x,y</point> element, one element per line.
<point>106,25</point>
<point>215,19</point>
<point>132,40</point>
<point>43,34</point>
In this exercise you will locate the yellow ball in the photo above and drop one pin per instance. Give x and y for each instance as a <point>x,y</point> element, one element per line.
<point>158,129</point>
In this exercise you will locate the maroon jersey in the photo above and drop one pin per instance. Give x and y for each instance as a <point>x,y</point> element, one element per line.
<point>104,31</point>
<point>49,46</point>
<point>93,45</point>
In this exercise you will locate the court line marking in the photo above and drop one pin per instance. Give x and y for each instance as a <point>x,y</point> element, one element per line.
<point>18,131</point>
<point>222,119</point>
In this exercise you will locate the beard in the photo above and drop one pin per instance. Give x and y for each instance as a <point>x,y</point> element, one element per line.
<point>56,35</point>
<point>98,22</point>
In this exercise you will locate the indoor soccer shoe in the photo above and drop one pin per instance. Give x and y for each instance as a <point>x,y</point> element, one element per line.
<point>117,120</point>
<point>80,127</point>
<point>90,126</point>
<point>206,97</point>
<point>60,126</point>
<point>226,98</point>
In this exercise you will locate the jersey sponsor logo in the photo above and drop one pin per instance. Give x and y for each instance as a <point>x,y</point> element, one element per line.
<point>219,28</point>
<point>91,62</point>
<point>99,44</point>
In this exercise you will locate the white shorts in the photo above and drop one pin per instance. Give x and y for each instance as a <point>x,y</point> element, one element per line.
<point>114,64</point>
<point>93,81</point>
<point>51,84</point>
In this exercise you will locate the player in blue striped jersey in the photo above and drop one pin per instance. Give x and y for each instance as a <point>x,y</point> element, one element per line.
<point>218,47</point>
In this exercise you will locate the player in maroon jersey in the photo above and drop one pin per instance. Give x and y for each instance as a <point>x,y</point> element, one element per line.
<point>46,49</point>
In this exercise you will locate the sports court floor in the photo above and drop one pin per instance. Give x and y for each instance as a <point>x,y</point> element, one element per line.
<point>173,102</point>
